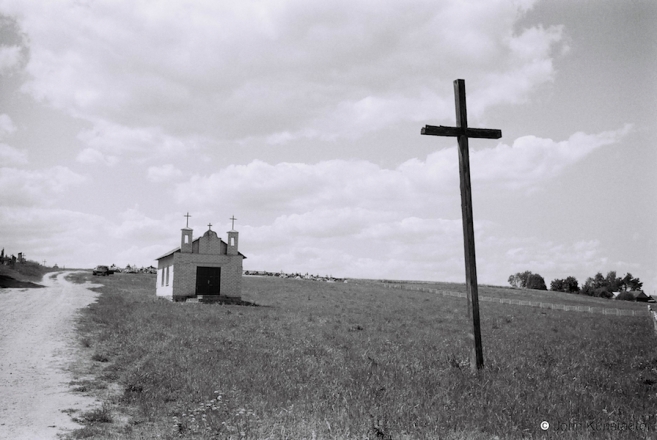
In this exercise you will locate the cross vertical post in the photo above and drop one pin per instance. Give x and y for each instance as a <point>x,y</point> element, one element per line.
<point>476,361</point>
<point>462,132</point>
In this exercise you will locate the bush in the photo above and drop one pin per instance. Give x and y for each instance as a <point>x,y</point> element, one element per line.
<point>625,296</point>
<point>569,285</point>
<point>535,281</point>
<point>527,280</point>
<point>601,286</point>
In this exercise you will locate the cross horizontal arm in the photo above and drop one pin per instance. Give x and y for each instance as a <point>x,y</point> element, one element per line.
<point>481,133</point>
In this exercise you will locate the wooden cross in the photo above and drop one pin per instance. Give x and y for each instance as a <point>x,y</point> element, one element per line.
<point>232,228</point>
<point>188,216</point>
<point>463,132</point>
<point>209,226</point>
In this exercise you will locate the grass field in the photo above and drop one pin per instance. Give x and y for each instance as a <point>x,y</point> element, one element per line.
<point>323,360</point>
<point>549,297</point>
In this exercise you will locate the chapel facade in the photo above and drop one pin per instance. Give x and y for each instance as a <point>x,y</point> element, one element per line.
<point>205,268</point>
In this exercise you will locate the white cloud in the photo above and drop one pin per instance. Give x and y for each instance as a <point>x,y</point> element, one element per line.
<point>8,154</point>
<point>549,257</point>
<point>107,142</point>
<point>531,160</point>
<point>59,236</point>
<point>6,126</point>
<point>363,243</point>
<point>381,244</point>
<point>163,173</point>
<point>12,156</point>
<point>139,255</point>
<point>136,226</point>
<point>352,119</point>
<point>279,70</point>
<point>293,186</point>
<point>91,156</point>
<point>414,186</point>
<point>27,187</point>
<point>355,218</point>
<point>501,257</point>
<point>77,239</point>
<point>356,242</point>
<point>150,83</point>
<point>530,65</point>
<point>351,242</point>
<point>10,57</point>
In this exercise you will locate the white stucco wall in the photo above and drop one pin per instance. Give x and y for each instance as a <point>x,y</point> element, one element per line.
<point>162,288</point>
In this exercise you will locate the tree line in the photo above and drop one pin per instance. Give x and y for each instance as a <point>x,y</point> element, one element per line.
<point>598,286</point>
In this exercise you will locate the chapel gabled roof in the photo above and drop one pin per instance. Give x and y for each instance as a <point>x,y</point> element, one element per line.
<point>178,248</point>
<point>169,253</point>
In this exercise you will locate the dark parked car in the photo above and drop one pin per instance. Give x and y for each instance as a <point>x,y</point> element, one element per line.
<point>102,271</point>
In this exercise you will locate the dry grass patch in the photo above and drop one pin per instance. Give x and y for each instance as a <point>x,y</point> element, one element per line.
<point>323,360</point>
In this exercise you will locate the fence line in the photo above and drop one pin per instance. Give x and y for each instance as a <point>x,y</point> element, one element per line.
<point>542,305</point>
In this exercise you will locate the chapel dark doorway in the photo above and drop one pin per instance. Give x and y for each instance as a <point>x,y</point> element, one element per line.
<point>208,280</point>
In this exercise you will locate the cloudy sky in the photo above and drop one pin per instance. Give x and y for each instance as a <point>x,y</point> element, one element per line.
<point>302,119</point>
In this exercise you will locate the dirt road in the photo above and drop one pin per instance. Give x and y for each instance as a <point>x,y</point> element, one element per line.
<point>37,343</point>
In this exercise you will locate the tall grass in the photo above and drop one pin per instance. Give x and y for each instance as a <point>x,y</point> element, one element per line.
<point>321,360</point>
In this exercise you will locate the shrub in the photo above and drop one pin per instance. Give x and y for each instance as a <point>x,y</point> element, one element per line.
<point>569,285</point>
<point>527,280</point>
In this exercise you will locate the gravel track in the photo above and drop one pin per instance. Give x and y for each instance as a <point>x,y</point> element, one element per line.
<point>37,345</point>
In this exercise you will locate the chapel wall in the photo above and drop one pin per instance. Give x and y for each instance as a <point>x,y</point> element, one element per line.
<point>186,264</point>
<point>211,245</point>
<point>164,286</point>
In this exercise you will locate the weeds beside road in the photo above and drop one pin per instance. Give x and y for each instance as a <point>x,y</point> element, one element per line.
<point>356,360</point>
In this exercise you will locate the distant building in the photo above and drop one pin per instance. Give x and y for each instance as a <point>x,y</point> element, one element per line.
<point>206,268</point>
<point>633,295</point>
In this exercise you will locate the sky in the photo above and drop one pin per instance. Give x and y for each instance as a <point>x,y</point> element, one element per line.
<point>302,119</point>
